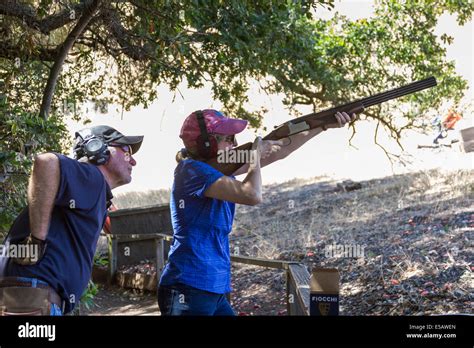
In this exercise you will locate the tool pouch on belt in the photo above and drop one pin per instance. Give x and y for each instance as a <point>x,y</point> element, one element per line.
<point>24,301</point>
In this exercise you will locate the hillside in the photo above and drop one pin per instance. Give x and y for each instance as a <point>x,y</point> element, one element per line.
<point>415,231</point>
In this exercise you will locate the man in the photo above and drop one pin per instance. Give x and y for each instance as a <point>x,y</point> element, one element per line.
<point>67,208</point>
<point>447,123</point>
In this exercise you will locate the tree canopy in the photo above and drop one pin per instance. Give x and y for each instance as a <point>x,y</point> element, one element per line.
<point>128,48</point>
<point>57,53</point>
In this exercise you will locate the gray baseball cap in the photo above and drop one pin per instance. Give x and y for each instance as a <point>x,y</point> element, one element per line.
<point>111,135</point>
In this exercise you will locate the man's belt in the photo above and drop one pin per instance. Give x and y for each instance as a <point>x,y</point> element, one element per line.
<point>14,281</point>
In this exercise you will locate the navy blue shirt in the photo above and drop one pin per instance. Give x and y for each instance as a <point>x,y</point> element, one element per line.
<point>199,255</point>
<point>78,216</point>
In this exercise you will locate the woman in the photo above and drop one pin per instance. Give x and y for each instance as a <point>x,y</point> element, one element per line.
<point>196,278</point>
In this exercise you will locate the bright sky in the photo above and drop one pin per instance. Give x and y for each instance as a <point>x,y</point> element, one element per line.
<point>327,154</point>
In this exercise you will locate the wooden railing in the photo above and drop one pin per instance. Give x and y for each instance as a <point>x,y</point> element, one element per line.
<point>297,281</point>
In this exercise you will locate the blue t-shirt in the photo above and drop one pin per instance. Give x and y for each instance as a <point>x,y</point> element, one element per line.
<point>199,255</point>
<point>78,216</point>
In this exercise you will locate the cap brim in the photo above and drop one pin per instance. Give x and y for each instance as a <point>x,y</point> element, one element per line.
<point>230,126</point>
<point>135,141</point>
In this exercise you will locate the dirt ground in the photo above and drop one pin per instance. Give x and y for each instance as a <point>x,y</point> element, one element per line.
<point>112,300</point>
<point>249,296</point>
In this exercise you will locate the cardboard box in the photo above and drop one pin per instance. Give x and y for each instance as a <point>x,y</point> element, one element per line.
<point>324,292</point>
<point>467,135</point>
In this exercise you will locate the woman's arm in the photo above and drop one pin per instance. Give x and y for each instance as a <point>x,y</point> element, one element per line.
<point>247,192</point>
<point>277,150</point>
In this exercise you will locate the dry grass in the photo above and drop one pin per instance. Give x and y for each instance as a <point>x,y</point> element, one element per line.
<point>308,211</point>
<point>141,199</point>
<point>416,231</point>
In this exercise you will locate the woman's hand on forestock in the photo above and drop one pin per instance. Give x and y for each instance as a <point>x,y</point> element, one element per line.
<point>256,153</point>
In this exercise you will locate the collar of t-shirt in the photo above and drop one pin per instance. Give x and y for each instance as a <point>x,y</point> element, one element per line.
<point>108,195</point>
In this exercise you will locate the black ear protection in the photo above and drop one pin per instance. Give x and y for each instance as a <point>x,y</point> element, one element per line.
<point>206,145</point>
<point>91,146</point>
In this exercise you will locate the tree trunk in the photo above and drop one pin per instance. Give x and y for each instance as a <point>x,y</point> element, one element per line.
<point>62,54</point>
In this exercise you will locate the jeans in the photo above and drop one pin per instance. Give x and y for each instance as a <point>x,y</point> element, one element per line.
<point>181,299</point>
<point>55,310</point>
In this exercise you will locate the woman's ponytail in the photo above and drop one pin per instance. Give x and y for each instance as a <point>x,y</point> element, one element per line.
<point>185,153</point>
<point>182,155</point>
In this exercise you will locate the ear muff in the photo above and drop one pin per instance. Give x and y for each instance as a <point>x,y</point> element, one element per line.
<point>206,145</point>
<point>91,146</point>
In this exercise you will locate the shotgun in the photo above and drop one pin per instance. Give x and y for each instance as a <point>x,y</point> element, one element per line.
<point>319,119</point>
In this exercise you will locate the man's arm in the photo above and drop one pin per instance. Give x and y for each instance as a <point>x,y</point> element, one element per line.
<point>42,191</point>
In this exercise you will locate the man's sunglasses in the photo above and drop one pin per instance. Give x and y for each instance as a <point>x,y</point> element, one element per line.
<point>124,148</point>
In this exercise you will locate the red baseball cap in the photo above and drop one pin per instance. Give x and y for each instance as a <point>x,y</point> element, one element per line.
<point>216,123</point>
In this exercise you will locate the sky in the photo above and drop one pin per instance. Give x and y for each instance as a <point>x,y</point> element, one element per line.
<point>327,154</point>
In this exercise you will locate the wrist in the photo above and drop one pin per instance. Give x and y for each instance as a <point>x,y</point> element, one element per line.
<point>39,235</point>
<point>254,160</point>
<point>254,167</point>
<point>35,250</point>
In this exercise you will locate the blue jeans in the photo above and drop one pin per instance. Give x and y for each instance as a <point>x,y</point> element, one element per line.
<point>181,299</point>
<point>55,310</point>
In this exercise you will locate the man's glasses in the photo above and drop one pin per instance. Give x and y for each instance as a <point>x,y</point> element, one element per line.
<point>124,148</point>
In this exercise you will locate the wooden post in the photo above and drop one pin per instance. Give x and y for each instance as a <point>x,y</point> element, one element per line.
<point>299,285</point>
<point>160,258</point>
<point>288,293</point>
<point>113,249</point>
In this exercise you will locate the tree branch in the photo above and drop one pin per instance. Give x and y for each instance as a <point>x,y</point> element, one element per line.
<point>394,131</point>
<point>122,36</point>
<point>387,154</point>
<point>298,88</point>
<point>63,51</point>
<point>12,52</point>
<point>353,134</point>
<point>28,15</point>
